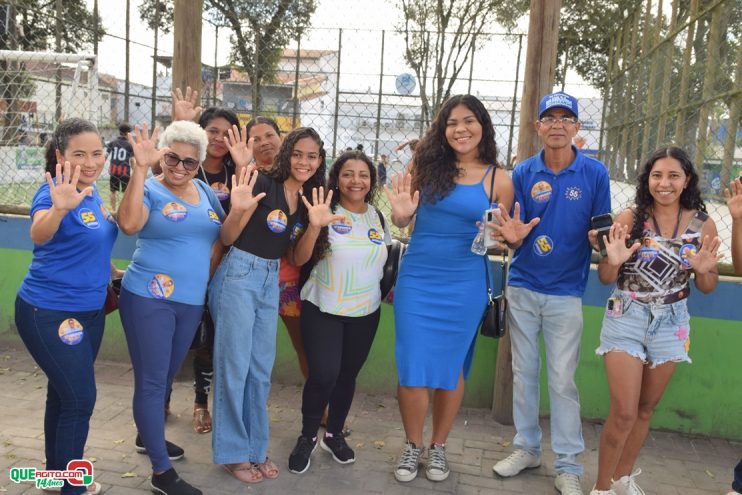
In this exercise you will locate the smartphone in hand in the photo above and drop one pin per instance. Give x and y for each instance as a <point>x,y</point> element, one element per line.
<point>489,216</point>
<point>602,223</point>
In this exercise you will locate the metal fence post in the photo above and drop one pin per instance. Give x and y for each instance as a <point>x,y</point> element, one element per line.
<point>378,103</point>
<point>337,95</point>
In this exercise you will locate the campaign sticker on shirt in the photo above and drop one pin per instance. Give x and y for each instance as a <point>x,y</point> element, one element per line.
<point>106,214</point>
<point>221,190</point>
<point>70,331</point>
<point>277,221</point>
<point>375,236</point>
<point>685,250</point>
<point>541,192</point>
<point>175,212</point>
<point>343,226</point>
<point>648,251</point>
<point>161,286</point>
<point>214,217</point>
<point>88,218</point>
<point>296,231</point>
<point>543,245</point>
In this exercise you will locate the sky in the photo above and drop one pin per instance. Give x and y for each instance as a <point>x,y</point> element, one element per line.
<point>361,20</point>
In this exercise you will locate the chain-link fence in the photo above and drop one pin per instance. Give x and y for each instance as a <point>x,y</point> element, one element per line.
<point>675,77</point>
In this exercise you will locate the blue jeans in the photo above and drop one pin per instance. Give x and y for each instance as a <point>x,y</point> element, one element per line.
<point>243,300</point>
<point>737,484</point>
<point>70,395</point>
<point>158,334</point>
<point>560,319</point>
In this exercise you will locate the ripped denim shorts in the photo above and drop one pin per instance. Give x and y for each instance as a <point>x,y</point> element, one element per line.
<point>654,333</point>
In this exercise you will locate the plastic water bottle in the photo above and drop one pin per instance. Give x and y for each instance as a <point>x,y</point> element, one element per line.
<point>477,246</point>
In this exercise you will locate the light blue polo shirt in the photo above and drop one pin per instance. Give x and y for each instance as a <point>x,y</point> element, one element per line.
<point>555,257</point>
<point>171,261</point>
<point>70,271</point>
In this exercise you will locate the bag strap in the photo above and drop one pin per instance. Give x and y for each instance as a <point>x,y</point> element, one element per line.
<point>383,226</point>
<point>492,184</point>
<point>503,274</point>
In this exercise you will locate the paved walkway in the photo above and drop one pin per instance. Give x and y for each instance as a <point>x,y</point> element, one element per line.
<point>671,463</point>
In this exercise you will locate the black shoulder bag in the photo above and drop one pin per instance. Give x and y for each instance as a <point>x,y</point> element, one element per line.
<point>493,320</point>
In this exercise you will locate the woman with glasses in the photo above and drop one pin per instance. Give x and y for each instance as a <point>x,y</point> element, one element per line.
<point>177,219</point>
<point>59,308</point>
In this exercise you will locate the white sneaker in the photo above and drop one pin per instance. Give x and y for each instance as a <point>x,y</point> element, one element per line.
<point>602,492</point>
<point>516,462</point>
<point>568,484</point>
<point>626,485</point>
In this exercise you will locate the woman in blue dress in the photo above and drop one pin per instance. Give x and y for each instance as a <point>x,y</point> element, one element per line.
<point>441,290</point>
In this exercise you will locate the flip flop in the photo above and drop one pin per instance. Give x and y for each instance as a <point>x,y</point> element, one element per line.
<point>245,472</point>
<point>268,469</point>
<point>201,420</point>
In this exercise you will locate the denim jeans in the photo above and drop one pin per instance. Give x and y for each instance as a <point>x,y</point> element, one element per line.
<point>737,484</point>
<point>560,319</point>
<point>158,334</point>
<point>70,396</point>
<point>243,300</point>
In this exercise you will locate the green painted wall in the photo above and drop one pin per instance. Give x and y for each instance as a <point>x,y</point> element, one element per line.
<point>702,398</point>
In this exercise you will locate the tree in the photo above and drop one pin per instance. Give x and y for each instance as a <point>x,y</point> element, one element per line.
<point>441,35</point>
<point>32,27</point>
<point>260,31</point>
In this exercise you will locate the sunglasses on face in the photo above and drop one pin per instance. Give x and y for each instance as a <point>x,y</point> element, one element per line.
<point>172,160</point>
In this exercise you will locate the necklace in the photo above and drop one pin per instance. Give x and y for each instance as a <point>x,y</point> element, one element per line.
<point>677,223</point>
<point>206,177</point>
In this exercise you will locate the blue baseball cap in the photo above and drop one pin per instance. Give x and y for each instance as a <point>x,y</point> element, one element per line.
<point>558,100</point>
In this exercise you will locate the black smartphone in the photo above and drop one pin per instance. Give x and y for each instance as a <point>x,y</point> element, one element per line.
<point>602,223</point>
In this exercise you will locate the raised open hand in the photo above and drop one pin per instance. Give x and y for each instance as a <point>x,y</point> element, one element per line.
<point>615,245</point>
<point>239,146</point>
<point>318,210</point>
<point>511,229</point>
<point>403,200</point>
<point>242,197</point>
<point>186,108</point>
<point>64,193</point>
<point>705,259</point>
<point>145,149</point>
<point>734,199</point>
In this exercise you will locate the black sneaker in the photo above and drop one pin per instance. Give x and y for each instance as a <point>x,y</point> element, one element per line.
<point>174,452</point>
<point>337,446</point>
<point>169,483</point>
<point>299,458</point>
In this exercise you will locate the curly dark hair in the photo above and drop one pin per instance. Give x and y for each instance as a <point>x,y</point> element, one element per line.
<point>65,131</point>
<point>435,166</point>
<point>282,165</point>
<point>322,246</point>
<point>690,198</point>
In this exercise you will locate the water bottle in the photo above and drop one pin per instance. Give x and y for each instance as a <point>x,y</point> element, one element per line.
<point>477,246</point>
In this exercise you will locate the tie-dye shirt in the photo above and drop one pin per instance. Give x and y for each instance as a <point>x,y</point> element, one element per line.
<point>346,281</point>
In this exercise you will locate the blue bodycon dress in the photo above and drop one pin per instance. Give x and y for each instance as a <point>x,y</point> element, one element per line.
<point>441,291</point>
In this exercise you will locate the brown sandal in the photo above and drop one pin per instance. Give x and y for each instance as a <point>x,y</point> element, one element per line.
<point>246,472</point>
<point>268,469</point>
<point>201,420</point>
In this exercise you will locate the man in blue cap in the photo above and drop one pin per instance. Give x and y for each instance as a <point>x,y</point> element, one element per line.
<point>557,192</point>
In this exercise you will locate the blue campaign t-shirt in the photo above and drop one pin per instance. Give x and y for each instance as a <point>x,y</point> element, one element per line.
<point>171,260</point>
<point>555,257</point>
<point>70,271</point>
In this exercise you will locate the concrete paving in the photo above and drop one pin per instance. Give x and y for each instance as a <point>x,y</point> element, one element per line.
<point>672,464</point>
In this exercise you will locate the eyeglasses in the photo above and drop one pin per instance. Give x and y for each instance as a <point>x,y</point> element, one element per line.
<point>172,160</point>
<point>548,120</point>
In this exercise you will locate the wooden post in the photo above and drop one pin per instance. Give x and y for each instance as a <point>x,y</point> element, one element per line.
<point>543,33</point>
<point>187,49</point>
